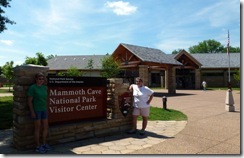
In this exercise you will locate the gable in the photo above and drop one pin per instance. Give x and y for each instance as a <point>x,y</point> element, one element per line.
<point>128,54</point>
<point>187,60</point>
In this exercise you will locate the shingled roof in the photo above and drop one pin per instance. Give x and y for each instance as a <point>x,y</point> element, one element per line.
<point>218,60</point>
<point>78,61</point>
<point>151,54</point>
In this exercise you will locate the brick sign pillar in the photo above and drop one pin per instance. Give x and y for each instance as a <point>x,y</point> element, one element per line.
<point>23,127</point>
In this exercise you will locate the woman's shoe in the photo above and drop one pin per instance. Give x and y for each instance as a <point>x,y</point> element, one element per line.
<point>133,131</point>
<point>40,150</point>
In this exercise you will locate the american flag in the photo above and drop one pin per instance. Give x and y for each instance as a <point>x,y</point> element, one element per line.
<point>228,44</point>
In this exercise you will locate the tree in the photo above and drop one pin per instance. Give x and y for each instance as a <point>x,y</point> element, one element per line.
<point>90,65</point>
<point>207,46</point>
<point>110,68</point>
<point>39,60</point>
<point>3,19</point>
<point>72,71</point>
<point>176,51</point>
<point>237,76</point>
<point>50,56</point>
<point>8,72</point>
<point>232,49</point>
<point>1,70</point>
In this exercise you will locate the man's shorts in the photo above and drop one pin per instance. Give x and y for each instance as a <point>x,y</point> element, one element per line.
<point>141,111</point>
<point>41,115</point>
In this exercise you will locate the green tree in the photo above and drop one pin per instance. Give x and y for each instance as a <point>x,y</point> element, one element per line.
<point>1,70</point>
<point>3,19</point>
<point>8,72</point>
<point>72,71</point>
<point>237,76</point>
<point>232,49</point>
<point>176,51</point>
<point>110,68</point>
<point>90,65</point>
<point>39,60</point>
<point>50,56</point>
<point>207,46</point>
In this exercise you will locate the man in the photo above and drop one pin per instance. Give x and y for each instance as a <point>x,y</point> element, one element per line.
<point>204,85</point>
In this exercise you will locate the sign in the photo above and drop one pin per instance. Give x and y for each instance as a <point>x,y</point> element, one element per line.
<point>125,103</point>
<point>76,98</point>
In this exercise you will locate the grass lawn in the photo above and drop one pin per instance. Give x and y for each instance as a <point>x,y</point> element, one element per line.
<point>6,90</point>
<point>6,110</point>
<point>165,115</point>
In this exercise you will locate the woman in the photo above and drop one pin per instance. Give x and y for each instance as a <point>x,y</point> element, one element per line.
<point>37,101</point>
<point>142,98</point>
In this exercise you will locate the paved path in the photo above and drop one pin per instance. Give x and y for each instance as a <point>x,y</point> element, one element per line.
<point>6,94</point>
<point>209,130</point>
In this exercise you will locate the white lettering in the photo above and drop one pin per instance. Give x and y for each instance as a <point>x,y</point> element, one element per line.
<point>55,109</point>
<point>55,92</point>
<point>55,101</point>
<point>88,100</point>
<point>86,107</point>
<point>90,91</point>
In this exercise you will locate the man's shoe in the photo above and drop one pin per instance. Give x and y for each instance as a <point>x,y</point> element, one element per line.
<point>142,132</point>
<point>133,131</point>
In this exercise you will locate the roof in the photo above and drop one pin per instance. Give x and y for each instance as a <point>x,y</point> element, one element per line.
<point>218,60</point>
<point>78,61</point>
<point>151,54</point>
<point>207,60</point>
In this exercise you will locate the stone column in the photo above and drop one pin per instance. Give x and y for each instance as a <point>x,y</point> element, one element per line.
<point>24,76</point>
<point>197,79</point>
<point>143,73</point>
<point>171,80</point>
<point>166,78</point>
<point>162,81</point>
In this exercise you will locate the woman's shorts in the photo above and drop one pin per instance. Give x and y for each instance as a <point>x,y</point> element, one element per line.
<point>141,111</point>
<point>41,115</point>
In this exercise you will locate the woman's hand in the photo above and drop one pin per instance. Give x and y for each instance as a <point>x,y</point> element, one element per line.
<point>33,114</point>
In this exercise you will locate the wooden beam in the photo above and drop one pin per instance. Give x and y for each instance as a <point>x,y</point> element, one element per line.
<point>131,62</point>
<point>130,57</point>
<point>185,67</point>
<point>127,66</point>
<point>159,68</point>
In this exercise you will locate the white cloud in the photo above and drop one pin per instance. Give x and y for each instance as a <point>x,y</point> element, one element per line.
<point>7,42</point>
<point>121,8</point>
<point>219,14</point>
<point>59,18</point>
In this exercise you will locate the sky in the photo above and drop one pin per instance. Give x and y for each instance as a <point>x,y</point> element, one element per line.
<point>97,27</point>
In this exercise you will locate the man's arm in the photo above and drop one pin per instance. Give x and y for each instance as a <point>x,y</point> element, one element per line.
<point>150,99</point>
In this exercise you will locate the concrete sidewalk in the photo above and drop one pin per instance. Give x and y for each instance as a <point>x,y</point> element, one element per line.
<point>209,130</point>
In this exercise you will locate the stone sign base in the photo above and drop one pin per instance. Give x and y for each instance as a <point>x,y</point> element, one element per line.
<point>23,125</point>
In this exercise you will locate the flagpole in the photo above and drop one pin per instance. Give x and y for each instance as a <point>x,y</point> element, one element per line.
<point>229,100</point>
<point>229,68</point>
<point>228,53</point>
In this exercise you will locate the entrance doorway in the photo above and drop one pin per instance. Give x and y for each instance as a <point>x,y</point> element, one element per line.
<point>185,79</point>
<point>155,80</point>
